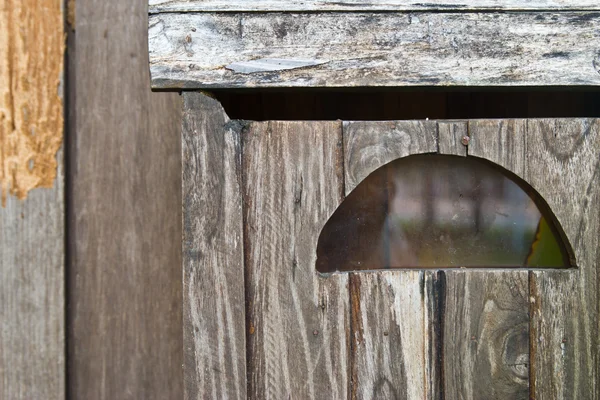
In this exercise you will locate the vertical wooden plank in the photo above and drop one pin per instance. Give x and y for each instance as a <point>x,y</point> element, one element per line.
<point>32,354</point>
<point>213,258</point>
<point>559,158</point>
<point>486,313</point>
<point>390,342</point>
<point>370,145</point>
<point>486,335</point>
<point>563,165</point>
<point>453,138</point>
<point>32,234</point>
<point>298,321</point>
<point>402,363</point>
<point>125,335</point>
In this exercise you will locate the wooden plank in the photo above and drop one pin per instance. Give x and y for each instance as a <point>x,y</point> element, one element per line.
<point>32,360</point>
<point>370,5</point>
<point>486,314</point>
<point>401,364</point>
<point>214,315</point>
<point>32,234</point>
<point>298,320</point>
<point>125,336</point>
<point>453,138</point>
<point>200,50</point>
<point>559,158</point>
<point>486,335</point>
<point>563,165</point>
<point>390,341</point>
<point>370,145</point>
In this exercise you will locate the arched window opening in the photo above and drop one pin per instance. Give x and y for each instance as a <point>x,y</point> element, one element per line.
<point>438,211</point>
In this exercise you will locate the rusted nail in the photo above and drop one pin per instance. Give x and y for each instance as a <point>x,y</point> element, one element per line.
<point>564,340</point>
<point>315,332</point>
<point>465,140</point>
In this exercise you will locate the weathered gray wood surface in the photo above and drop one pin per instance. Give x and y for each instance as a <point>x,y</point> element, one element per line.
<point>390,336</point>
<point>370,5</point>
<point>32,297</point>
<point>204,50</point>
<point>485,317</point>
<point>213,257</point>
<point>298,321</point>
<point>559,158</point>
<point>453,138</point>
<point>486,335</point>
<point>124,284</point>
<point>370,145</point>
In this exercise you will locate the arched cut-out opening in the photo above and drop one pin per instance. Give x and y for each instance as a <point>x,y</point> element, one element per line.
<point>439,211</point>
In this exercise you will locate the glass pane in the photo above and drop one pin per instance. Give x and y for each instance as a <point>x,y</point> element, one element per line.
<point>434,211</point>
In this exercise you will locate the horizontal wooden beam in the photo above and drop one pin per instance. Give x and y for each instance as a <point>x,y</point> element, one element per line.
<point>238,50</point>
<point>157,6</point>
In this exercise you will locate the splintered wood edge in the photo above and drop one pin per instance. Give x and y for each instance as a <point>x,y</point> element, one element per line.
<point>254,50</point>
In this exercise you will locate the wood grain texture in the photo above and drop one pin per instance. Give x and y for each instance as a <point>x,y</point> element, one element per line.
<point>32,209</point>
<point>451,136</point>
<point>359,5</point>
<point>391,342</point>
<point>125,338</point>
<point>31,94</point>
<point>403,363</point>
<point>199,50</point>
<point>370,145</point>
<point>213,257</point>
<point>32,297</point>
<point>485,316</point>
<point>564,166</point>
<point>559,158</point>
<point>298,321</point>
<point>486,331</point>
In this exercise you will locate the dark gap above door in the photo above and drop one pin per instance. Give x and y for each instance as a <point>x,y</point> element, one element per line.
<point>408,104</point>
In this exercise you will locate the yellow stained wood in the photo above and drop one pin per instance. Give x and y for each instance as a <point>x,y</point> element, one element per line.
<point>32,44</point>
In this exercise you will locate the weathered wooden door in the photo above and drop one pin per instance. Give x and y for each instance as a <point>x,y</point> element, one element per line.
<point>261,322</point>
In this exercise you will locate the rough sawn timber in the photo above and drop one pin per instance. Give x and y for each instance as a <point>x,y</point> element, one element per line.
<point>32,200</point>
<point>214,50</point>
<point>157,6</point>
<point>391,345</point>
<point>124,323</point>
<point>485,318</point>
<point>213,256</point>
<point>559,159</point>
<point>393,354</point>
<point>298,323</point>
<point>486,335</point>
<point>32,297</point>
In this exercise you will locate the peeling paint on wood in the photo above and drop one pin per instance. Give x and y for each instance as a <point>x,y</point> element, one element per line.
<point>193,50</point>
<point>31,110</point>
<point>32,232</point>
